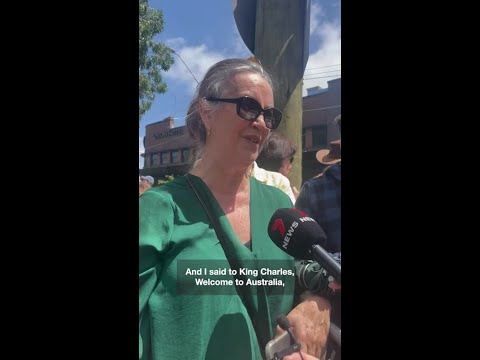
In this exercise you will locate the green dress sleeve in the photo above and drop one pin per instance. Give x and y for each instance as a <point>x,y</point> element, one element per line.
<point>156,225</point>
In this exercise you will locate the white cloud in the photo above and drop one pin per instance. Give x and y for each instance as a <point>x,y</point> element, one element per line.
<point>316,15</point>
<point>175,43</point>
<point>325,63</point>
<point>198,59</point>
<point>141,150</point>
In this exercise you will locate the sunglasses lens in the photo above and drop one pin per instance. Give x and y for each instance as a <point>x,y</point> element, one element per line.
<point>272,118</point>
<point>269,118</point>
<point>249,108</point>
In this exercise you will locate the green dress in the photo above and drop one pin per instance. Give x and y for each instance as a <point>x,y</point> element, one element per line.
<point>207,322</point>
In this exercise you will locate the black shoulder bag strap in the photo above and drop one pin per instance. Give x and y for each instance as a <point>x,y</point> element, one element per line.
<point>234,264</point>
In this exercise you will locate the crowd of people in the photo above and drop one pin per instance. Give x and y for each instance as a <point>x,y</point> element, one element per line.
<point>220,211</point>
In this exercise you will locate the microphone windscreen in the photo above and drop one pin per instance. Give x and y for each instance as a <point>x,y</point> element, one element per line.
<point>283,322</point>
<point>295,232</point>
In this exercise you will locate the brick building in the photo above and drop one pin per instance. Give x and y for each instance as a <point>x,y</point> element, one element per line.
<point>320,107</point>
<point>169,149</point>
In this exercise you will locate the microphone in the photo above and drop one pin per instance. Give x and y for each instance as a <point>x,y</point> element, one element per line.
<point>313,277</point>
<point>300,236</point>
<point>335,331</point>
<point>284,323</point>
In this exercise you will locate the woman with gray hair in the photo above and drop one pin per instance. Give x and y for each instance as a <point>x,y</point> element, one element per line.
<point>205,234</point>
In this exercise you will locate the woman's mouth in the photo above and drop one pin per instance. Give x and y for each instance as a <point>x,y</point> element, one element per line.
<point>253,138</point>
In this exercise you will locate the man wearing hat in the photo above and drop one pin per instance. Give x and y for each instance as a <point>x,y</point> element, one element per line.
<point>320,197</point>
<point>330,156</point>
<point>148,179</point>
<point>145,183</point>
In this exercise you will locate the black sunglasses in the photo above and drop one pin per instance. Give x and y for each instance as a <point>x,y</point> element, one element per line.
<point>249,109</point>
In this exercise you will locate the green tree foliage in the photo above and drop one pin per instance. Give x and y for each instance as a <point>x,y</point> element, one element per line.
<point>153,57</point>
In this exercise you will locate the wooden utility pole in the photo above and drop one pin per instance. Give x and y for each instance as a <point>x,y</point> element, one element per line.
<point>278,32</point>
<point>282,34</point>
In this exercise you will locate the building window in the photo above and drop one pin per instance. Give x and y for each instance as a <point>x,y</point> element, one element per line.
<point>175,156</point>
<point>155,160</point>
<point>185,155</point>
<point>165,158</point>
<point>319,136</point>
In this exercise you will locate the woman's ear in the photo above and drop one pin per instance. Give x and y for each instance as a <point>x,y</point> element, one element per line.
<point>205,114</point>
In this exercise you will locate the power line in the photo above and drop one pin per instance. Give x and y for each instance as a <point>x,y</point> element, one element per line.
<point>319,67</point>
<point>323,72</point>
<point>321,77</point>
<point>330,107</point>
<point>173,51</point>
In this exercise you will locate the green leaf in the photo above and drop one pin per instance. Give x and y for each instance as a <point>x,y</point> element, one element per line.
<point>154,57</point>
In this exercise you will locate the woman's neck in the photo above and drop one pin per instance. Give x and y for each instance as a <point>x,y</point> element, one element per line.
<point>222,178</point>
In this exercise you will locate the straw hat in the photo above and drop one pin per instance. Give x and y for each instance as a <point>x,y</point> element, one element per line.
<point>332,155</point>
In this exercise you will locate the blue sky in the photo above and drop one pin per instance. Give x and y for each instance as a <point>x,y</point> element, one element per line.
<point>203,33</point>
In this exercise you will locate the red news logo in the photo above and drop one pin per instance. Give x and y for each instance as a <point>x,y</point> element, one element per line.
<point>278,225</point>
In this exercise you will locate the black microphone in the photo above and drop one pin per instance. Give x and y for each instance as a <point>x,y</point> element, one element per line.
<point>300,236</point>
<point>284,323</point>
<point>311,276</point>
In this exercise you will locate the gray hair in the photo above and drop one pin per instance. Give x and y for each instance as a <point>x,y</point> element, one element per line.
<point>215,83</point>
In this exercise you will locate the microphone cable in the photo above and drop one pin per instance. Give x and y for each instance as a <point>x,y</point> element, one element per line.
<point>284,323</point>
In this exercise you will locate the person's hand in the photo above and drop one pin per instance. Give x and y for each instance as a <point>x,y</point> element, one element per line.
<point>296,356</point>
<point>310,322</point>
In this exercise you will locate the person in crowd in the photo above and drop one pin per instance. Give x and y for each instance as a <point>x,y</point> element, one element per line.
<point>320,197</point>
<point>219,212</point>
<point>274,178</point>
<point>148,179</point>
<point>277,154</point>
<point>145,183</point>
<point>143,186</point>
<point>275,162</point>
